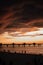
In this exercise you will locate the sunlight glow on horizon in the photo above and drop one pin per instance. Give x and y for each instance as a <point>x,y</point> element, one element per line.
<point>19,37</point>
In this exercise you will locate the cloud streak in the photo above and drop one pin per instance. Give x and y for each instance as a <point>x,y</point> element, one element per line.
<point>25,16</point>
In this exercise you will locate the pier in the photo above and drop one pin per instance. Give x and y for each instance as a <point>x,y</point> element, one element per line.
<point>22,48</point>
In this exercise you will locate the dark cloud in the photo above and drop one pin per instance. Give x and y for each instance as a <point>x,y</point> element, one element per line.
<point>0,24</point>
<point>19,13</point>
<point>38,24</point>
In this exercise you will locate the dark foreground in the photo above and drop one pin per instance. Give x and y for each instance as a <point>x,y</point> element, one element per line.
<point>20,59</point>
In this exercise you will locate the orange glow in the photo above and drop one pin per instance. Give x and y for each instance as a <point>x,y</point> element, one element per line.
<point>20,37</point>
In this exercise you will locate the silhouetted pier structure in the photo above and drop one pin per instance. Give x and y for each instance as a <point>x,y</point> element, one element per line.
<point>22,48</point>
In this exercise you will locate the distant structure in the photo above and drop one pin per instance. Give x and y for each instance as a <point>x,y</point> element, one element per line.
<point>22,48</point>
<point>0,45</point>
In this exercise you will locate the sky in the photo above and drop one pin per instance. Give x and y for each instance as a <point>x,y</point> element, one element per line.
<point>21,21</point>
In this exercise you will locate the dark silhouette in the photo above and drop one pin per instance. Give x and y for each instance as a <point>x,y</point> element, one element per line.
<point>20,59</point>
<point>15,52</point>
<point>19,45</point>
<point>7,45</point>
<point>0,45</point>
<point>39,45</point>
<point>13,44</point>
<point>25,52</point>
<point>8,51</point>
<point>24,44</point>
<point>34,44</point>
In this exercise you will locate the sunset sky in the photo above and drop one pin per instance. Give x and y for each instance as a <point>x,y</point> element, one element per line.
<point>21,21</point>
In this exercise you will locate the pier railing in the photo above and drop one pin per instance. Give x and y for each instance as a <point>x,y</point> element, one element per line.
<point>22,48</point>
